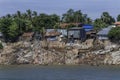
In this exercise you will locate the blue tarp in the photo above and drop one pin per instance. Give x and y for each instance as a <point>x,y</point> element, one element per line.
<point>88,27</point>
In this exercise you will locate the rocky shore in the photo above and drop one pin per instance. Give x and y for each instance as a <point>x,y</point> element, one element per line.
<point>57,53</point>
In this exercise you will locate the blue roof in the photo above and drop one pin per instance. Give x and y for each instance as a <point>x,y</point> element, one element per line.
<point>87,26</point>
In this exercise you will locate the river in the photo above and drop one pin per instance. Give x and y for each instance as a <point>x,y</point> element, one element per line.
<point>30,72</point>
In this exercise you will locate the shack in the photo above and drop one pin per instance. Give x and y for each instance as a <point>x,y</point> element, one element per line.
<point>52,35</point>
<point>27,36</point>
<point>117,24</point>
<point>37,36</point>
<point>62,31</point>
<point>90,32</point>
<point>76,33</point>
<point>103,34</point>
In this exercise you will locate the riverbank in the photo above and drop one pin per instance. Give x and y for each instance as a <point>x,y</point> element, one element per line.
<point>59,53</point>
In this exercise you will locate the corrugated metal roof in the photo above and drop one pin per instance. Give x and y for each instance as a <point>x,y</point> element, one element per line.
<point>104,31</point>
<point>63,31</point>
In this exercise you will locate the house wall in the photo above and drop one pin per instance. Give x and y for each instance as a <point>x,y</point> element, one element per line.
<point>77,34</point>
<point>103,37</point>
<point>63,31</point>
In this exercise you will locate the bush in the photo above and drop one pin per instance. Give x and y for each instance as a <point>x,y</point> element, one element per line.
<point>1,46</point>
<point>114,34</point>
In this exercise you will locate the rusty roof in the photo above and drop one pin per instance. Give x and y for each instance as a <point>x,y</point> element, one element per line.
<point>117,23</point>
<point>53,33</point>
<point>28,34</point>
<point>64,25</point>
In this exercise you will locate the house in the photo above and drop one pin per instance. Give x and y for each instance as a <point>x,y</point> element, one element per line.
<point>103,34</point>
<point>76,33</point>
<point>117,24</point>
<point>27,36</point>
<point>52,35</point>
<point>62,31</point>
<point>90,32</point>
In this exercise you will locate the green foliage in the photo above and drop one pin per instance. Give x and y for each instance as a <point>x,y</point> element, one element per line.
<point>1,46</point>
<point>99,24</point>
<point>13,31</point>
<point>103,21</point>
<point>118,17</point>
<point>9,28</point>
<point>107,18</point>
<point>12,26</point>
<point>4,26</point>
<point>114,34</point>
<point>72,16</point>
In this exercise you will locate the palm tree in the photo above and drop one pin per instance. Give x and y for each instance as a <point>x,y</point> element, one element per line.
<point>30,22</point>
<point>107,18</point>
<point>34,14</point>
<point>29,13</point>
<point>118,17</point>
<point>18,14</point>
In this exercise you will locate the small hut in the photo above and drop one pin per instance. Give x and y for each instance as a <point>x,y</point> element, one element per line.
<point>28,36</point>
<point>76,33</point>
<point>103,34</point>
<point>52,35</point>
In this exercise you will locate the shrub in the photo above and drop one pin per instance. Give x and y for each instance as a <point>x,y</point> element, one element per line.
<point>1,46</point>
<point>114,34</point>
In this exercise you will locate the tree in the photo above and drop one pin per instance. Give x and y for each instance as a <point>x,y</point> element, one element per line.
<point>78,16</point>
<point>21,24</point>
<point>104,21</point>
<point>72,16</point>
<point>12,26</point>
<point>106,18</point>
<point>4,27</point>
<point>118,17</point>
<point>18,14</point>
<point>9,29</point>
<point>29,14</point>
<point>68,17</point>
<point>88,21</point>
<point>114,34</point>
<point>13,32</point>
<point>55,20</point>
<point>99,24</point>
<point>34,14</point>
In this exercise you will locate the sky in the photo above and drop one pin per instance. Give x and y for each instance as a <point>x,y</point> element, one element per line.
<point>93,8</point>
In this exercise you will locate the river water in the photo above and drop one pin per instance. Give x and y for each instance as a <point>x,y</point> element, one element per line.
<point>30,72</point>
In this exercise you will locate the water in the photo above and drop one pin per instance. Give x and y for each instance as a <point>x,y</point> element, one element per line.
<point>59,73</point>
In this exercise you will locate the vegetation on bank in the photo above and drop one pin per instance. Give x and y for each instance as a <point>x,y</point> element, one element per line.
<point>1,46</point>
<point>114,34</point>
<point>14,25</point>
